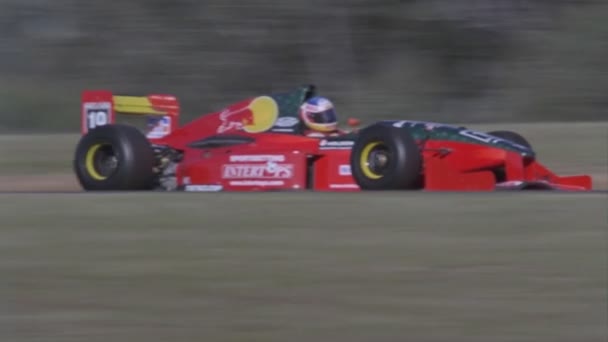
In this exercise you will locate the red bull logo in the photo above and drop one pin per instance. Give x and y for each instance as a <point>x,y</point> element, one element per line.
<point>235,119</point>
<point>257,116</point>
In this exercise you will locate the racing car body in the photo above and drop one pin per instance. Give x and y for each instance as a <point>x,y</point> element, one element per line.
<point>258,144</point>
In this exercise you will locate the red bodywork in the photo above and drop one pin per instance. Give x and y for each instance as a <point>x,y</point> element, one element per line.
<point>470,167</point>
<point>276,161</point>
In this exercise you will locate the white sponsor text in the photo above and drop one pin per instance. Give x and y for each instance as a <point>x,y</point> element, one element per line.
<point>259,171</point>
<point>344,170</point>
<point>257,158</point>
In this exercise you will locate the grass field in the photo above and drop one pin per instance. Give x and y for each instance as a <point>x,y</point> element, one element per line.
<point>303,266</point>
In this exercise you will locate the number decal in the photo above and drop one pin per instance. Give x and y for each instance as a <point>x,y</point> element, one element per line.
<point>97,114</point>
<point>97,118</point>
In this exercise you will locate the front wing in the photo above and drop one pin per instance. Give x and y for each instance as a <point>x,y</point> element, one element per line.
<point>467,167</point>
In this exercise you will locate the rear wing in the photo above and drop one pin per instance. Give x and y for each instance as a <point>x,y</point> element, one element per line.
<point>101,107</point>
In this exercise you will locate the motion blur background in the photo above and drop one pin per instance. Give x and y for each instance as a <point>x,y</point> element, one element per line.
<point>458,61</point>
<point>289,266</point>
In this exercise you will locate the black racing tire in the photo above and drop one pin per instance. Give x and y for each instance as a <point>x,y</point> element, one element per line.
<point>512,136</point>
<point>386,158</point>
<point>115,158</point>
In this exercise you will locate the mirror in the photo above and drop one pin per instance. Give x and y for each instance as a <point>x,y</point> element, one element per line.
<point>352,122</point>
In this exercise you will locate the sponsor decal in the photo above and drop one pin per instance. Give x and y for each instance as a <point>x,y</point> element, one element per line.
<point>480,136</point>
<point>287,121</point>
<point>486,138</point>
<point>257,183</point>
<point>257,158</point>
<point>344,170</point>
<point>336,144</point>
<point>343,186</point>
<point>315,135</point>
<point>257,116</point>
<point>203,188</point>
<point>510,184</point>
<point>159,127</point>
<point>270,170</point>
<point>400,124</point>
<point>427,125</point>
<point>537,184</point>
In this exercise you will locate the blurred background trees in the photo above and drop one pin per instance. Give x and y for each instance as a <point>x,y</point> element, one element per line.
<point>445,60</point>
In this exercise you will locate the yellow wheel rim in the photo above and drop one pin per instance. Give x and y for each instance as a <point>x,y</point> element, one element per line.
<point>90,163</point>
<point>363,161</point>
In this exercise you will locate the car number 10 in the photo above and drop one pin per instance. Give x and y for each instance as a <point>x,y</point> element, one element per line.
<point>97,114</point>
<point>97,118</point>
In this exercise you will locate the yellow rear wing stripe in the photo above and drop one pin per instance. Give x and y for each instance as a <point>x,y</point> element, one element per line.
<point>136,105</point>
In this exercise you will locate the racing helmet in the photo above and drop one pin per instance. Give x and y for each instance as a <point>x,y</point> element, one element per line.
<point>319,115</point>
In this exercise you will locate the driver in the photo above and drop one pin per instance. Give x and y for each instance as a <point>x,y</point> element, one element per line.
<point>320,118</point>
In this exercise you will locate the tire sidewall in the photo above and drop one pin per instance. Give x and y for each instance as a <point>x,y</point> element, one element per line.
<point>403,171</point>
<point>134,153</point>
<point>512,136</point>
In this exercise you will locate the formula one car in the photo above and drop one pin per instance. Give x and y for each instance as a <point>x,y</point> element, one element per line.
<point>258,144</point>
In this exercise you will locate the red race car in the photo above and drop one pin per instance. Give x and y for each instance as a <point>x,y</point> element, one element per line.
<point>258,144</point>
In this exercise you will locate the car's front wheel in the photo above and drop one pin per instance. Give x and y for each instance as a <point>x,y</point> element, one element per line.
<point>386,158</point>
<point>513,137</point>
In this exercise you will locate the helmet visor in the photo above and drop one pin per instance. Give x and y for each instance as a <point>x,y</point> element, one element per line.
<point>326,116</point>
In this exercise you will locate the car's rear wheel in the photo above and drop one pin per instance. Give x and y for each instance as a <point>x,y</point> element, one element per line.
<point>386,158</point>
<point>115,157</point>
